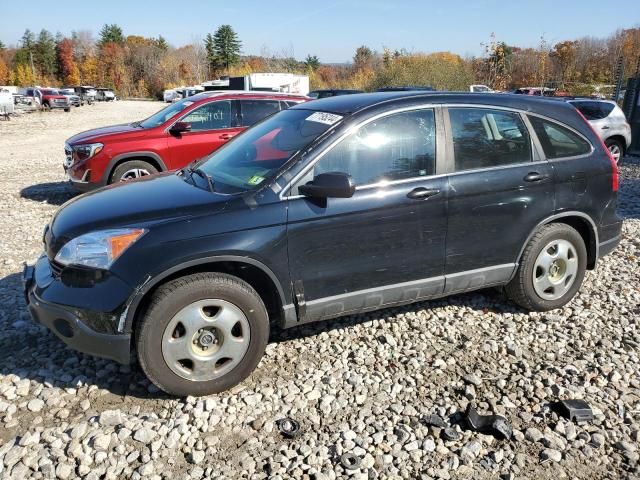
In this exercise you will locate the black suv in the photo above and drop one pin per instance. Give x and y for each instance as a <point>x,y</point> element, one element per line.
<point>333,207</point>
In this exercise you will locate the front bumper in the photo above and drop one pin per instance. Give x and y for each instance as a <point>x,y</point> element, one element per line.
<point>66,322</point>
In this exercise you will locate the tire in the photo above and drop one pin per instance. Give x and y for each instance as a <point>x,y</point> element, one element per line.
<point>155,333</point>
<point>46,107</point>
<point>67,110</point>
<point>131,167</point>
<point>521,288</point>
<point>616,148</point>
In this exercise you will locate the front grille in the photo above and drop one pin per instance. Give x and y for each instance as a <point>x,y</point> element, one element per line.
<point>56,268</point>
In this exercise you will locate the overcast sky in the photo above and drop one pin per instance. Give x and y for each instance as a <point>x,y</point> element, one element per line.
<point>332,30</point>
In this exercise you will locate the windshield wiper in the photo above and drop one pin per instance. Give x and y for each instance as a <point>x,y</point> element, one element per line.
<point>201,173</point>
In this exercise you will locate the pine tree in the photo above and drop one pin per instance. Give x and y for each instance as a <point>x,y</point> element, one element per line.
<point>45,53</point>
<point>226,46</point>
<point>111,33</point>
<point>161,43</point>
<point>209,46</point>
<point>312,62</point>
<point>2,47</point>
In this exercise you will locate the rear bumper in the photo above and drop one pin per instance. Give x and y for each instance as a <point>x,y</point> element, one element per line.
<point>610,238</point>
<point>605,248</point>
<point>66,324</point>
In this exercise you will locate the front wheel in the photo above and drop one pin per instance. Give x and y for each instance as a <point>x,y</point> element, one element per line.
<point>131,170</point>
<point>67,110</point>
<point>551,269</point>
<point>202,334</point>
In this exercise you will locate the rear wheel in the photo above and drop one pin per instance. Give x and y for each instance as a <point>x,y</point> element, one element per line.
<point>67,110</point>
<point>551,269</point>
<point>131,170</point>
<point>615,148</point>
<point>202,334</point>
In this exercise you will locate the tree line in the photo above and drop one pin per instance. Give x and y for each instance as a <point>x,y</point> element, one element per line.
<point>137,66</point>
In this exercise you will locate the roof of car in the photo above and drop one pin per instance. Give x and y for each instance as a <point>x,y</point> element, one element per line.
<point>349,104</point>
<point>245,93</point>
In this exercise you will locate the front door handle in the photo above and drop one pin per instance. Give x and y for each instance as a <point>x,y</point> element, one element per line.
<point>534,177</point>
<point>226,136</point>
<point>605,127</point>
<point>422,193</point>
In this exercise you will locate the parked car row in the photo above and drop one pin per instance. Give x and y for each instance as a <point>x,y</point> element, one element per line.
<point>47,98</point>
<point>294,211</point>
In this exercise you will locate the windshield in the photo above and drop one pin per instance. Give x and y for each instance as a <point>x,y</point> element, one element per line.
<point>259,153</point>
<point>50,92</point>
<point>166,113</point>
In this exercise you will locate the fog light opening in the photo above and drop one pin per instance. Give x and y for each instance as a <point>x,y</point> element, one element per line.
<point>63,327</point>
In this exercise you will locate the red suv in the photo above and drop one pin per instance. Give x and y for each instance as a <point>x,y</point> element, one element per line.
<point>168,140</point>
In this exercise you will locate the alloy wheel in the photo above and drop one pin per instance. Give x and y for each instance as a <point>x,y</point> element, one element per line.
<point>615,151</point>
<point>133,174</point>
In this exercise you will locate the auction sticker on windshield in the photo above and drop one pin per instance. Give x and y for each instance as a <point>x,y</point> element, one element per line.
<point>255,180</point>
<point>324,117</point>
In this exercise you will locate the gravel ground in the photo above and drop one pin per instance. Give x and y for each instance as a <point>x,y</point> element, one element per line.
<point>362,384</point>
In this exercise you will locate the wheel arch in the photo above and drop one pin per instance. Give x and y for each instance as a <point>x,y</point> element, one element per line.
<point>149,157</point>
<point>584,225</point>
<point>252,271</point>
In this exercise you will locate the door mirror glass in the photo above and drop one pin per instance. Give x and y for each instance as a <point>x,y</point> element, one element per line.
<point>329,185</point>
<point>180,127</point>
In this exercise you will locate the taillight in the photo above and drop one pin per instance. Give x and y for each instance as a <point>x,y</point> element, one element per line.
<point>614,166</point>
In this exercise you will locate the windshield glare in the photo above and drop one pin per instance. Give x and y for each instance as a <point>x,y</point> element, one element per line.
<point>256,155</point>
<point>166,113</point>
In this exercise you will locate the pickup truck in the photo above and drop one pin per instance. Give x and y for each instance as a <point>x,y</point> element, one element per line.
<point>51,98</point>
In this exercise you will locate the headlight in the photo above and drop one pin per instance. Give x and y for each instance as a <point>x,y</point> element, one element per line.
<point>85,152</point>
<point>98,249</point>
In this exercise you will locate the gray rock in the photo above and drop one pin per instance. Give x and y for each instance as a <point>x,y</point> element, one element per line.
<point>144,435</point>
<point>473,379</point>
<point>110,418</point>
<point>551,454</point>
<point>35,405</point>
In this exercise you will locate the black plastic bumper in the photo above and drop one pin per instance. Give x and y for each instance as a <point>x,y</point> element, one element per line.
<point>66,325</point>
<point>613,234</point>
<point>605,248</point>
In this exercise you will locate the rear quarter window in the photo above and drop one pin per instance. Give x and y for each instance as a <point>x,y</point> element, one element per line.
<point>558,141</point>
<point>594,110</point>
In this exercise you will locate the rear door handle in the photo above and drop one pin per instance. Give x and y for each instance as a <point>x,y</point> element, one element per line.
<point>534,177</point>
<point>422,193</point>
<point>226,136</point>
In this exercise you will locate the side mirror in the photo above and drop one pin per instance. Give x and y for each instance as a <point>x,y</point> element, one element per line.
<point>329,185</point>
<point>180,127</point>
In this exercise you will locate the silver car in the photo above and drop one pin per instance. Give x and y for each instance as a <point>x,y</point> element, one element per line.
<point>608,120</point>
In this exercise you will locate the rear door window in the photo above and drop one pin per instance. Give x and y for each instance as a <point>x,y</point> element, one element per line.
<point>252,111</point>
<point>486,138</point>
<point>558,141</point>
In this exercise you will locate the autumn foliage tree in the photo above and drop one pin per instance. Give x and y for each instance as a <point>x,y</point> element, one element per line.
<point>135,65</point>
<point>69,71</point>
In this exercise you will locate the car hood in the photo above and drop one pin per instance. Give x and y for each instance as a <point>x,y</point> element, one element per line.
<point>97,133</point>
<point>140,203</point>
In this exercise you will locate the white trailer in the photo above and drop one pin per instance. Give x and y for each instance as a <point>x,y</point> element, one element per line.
<point>272,82</point>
